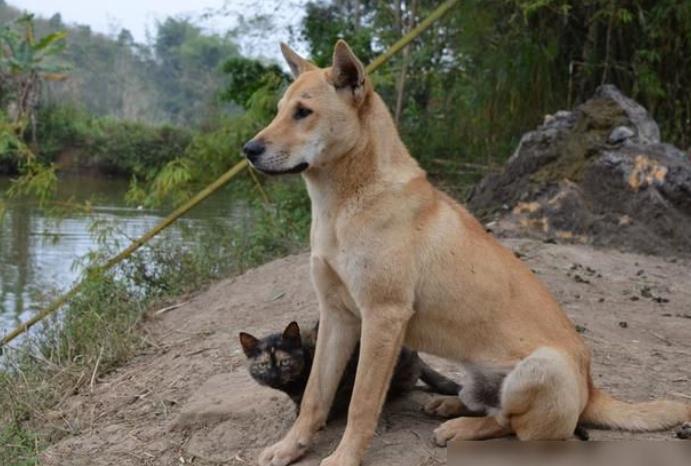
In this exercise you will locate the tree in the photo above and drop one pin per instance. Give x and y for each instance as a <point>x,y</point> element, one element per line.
<point>24,64</point>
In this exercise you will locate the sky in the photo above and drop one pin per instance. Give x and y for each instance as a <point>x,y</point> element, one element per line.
<point>140,16</point>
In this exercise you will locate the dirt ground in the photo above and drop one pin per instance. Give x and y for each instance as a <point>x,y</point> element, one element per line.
<point>188,398</point>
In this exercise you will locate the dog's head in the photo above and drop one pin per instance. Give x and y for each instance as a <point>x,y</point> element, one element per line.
<point>318,117</point>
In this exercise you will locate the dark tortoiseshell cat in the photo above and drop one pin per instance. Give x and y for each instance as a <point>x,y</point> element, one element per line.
<point>284,360</point>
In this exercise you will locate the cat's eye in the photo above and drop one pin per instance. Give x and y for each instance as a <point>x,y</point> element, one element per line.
<point>285,362</point>
<point>264,364</point>
<point>301,112</point>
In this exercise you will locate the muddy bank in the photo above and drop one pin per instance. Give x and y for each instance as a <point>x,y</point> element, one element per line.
<point>188,396</point>
<point>596,175</point>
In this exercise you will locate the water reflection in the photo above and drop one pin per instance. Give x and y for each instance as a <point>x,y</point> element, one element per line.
<point>37,251</point>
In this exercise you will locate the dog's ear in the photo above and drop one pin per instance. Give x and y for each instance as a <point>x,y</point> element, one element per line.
<point>292,333</point>
<point>347,72</point>
<point>297,64</point>
<point>248,343</point>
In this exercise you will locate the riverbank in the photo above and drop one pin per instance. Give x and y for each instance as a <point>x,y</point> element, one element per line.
<point>102,328</point>
<point>185,395</point>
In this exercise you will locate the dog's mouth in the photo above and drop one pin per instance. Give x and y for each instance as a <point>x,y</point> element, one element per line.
<point>301,167</point>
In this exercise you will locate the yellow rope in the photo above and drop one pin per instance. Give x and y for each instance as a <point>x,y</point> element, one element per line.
<point>209,190</point>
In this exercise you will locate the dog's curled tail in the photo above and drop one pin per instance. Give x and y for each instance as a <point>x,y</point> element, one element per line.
<point>606,411</point>
<point>437,382</point>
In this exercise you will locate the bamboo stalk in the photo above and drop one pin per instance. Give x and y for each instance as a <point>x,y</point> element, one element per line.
<point>410,36</point>
<point>208,191</point>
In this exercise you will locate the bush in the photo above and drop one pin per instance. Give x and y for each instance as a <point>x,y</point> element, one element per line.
<point>114,146</point>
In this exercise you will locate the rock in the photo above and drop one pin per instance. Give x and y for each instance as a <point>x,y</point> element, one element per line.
<point>620,134</point>
<point>684,431</point>
<point>647,131</point>
<point>597,175</point>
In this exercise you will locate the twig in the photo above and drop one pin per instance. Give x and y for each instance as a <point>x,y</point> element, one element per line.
<point>681,395</point>
<point>169,308</point>
<point>93,375</point>
<point>258,185</point>
<point>211,460</point>
<point>192,353</point>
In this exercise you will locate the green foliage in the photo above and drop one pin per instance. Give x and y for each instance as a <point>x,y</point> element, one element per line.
<point>37,180</point>
<point>113,146</point>
<point>325,23</point>
<point>213,152</point>
<point>245,77</point>
<point>17,444</point>
<point>25,62</point>
<point>278,228</point>
<point>24,54</point>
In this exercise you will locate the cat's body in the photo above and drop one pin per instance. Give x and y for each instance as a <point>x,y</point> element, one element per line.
<point>283,361</point>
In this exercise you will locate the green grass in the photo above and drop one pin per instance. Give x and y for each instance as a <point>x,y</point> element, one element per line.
<point>101,328</point>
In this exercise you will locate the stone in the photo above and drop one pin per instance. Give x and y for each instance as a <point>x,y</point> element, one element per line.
<point>597,175</point>
<point>620,134</point>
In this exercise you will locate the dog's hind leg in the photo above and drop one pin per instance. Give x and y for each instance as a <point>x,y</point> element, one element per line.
<point>383,331</point>
<point>543,396</point>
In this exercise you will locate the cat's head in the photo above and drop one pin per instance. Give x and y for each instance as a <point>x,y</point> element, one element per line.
<point>275,360</point>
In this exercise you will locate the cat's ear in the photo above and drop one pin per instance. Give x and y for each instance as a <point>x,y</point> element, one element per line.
<point>249,343</point>
<point>292,333</point>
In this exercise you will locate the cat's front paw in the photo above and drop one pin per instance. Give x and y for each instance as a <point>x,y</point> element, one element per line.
<point>444,406</point>
<point>282,453</point>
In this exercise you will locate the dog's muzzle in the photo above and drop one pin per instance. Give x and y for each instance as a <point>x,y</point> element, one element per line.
<point>255,148</point>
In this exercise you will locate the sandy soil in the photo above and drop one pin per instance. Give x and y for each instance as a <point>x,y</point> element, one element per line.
<point>188,398</point>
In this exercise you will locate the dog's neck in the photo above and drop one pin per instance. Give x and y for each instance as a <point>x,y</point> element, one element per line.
<point>378,160</point>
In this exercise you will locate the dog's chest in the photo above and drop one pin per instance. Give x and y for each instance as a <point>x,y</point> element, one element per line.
<point>332,281</point>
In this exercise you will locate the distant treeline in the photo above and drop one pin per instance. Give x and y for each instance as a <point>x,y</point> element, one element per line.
<point>174,80</point>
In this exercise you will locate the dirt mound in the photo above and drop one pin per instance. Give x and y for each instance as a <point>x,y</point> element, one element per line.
<point>597,175</point>
<point>188,397</point>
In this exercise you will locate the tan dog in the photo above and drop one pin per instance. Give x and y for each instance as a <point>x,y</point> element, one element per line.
<point>394,260</point>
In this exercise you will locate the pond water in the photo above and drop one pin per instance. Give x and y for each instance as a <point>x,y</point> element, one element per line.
<point>38,250</point>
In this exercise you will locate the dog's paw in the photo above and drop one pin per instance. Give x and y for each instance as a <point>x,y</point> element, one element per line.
<point>282,453</point>
<point>684,431</point>
<point>340,458</point>
<point>444,406</point>
<point>446,433</point>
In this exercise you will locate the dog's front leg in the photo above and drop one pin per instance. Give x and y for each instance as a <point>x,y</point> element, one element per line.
<point>383,332</point>
<point>336,340</point>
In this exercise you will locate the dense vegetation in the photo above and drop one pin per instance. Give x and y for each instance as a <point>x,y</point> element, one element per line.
<point>462,93</point>
<point>468,88</point>
<point>172,115</point>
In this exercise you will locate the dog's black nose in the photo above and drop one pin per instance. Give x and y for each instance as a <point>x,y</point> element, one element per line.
<point>254,149</point>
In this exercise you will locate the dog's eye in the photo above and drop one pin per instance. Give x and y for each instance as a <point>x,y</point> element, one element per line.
<point>301,112</point>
